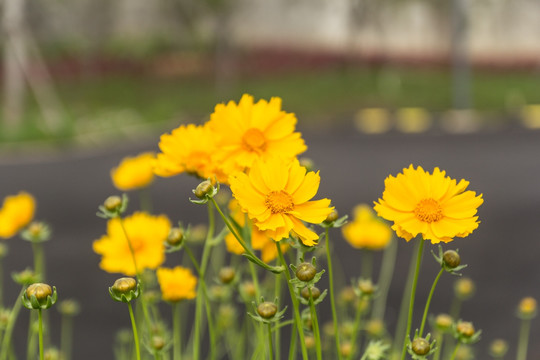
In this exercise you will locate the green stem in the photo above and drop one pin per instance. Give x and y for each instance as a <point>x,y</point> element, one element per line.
<point>292,346</point>
<point>455,351</point>
<point>39,262</point>
<point>135,334</point>
<point>40,319</point>
<point>426,309</point>
<point>255,280</point>
<point>315,322</point>
<point>411,302</point>
<point>66,338</point>
<point>177,339</point>
<point>367,263</point>
<point>439,341</point>
<point>385,278</point>
<point>6,341</point>
<point>332,297</point>
<point>294,300</point>
<point>145,200</point>
<point>455,308</point>
<point>277,293</point>
<point>523,341</point>
<point>1,283</point>
<point>270,344</point>
<point>356,328</point>
<point>251,256</point>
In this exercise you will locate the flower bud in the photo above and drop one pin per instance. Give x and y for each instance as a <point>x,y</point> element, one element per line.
<point>125,289</point>
<point>346,349</point>
<point>347,328</point>
<point>443,322</point>
<point>375,328</point>
<point>39,290</point>
<point>157,342</point>
<point>68,307</point>
<point>347,295</point>
<point>305,272</point>
<point>451,259</point>
<point>420,346</point>
<point>219,293</point>
<point>113,203</point>
<point>26,277</point>
<point>267,309</point>
<point>227,274</point>
<point>333,216</point>
<point>465,328</point>
<point>307,163</point>
<point>464,288</point>
<point>226,315</point>
<point>52,354</point>
<point>39,296</point>
<point>309,341</point>
<point>203,189</point>
<point>4,318</point>
<point>527,308</point>
<point>498,348</point>
<point>176,235</point>
<point>366,287</point>
<point>247,290</point>
<point>315,293</point>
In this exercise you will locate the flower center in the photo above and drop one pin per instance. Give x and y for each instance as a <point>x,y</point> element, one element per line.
<point>279,202</point>
<point>428,210</point>
<point>254,140</point>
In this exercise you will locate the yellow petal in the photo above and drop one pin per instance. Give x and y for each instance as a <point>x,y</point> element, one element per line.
<point>313,211</point>
<point>308,188</point>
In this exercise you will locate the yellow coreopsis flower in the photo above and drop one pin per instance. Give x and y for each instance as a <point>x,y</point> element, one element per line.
<point>134,172</point>
<point>366,230</point>
<point>176,284</point>
<point>433,205</point>
<point>189,149</point>
<point>247,131</point>
<point>276,194</point>
<point>17,211</point>
<point>146,234</point>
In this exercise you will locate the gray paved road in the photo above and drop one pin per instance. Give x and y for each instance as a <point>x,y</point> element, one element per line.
<point>502,254</point>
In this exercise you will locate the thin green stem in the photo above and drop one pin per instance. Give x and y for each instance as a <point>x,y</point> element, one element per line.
<point>1,283</point>
<point>413,293</point>
<point>255,279</point>
<point>270,344</point>
<point>66,337</point>
<point>356,327</point>
<point>135,333</point>
<point>523,341</point>
<point>294,300</point>
<point>454,353</point>
<point>426,309</point>
<point>367,263</point>
<point>439,337</point>
<point>385,278</point>
<point>332,297</point>
<point>39,259</point>
<point>315,322</point>
<point>6,340</point>
<point>193,260</point>
<point>292,345</point>
<point>277,293</point>
<point>177,338</point>
<point>145,200</point>
<point>40,320</point>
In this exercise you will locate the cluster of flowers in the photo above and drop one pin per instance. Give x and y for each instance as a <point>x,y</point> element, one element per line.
<point>253,148</point>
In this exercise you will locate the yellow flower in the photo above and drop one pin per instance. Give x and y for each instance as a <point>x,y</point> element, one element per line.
<point>188,149</point>
<point>433,205</point>
<point>249,131</point>
<point>259,239</point>
<point>134,172</point>
<point>16,212</point>
<point>366,230</point>
<point>276,196</point>
<point>146,234</point>
<point>176,284</point>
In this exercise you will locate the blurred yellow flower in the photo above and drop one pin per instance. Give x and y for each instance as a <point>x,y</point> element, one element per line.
<point>146,233</point>
<point>249,131</point>
<point>17,211</point>
<point>276,196</point>
<point>176,284</point>
<point>366,230</point>
<point>433,205</point>
<point>188,149</point>
<point>134,172</point>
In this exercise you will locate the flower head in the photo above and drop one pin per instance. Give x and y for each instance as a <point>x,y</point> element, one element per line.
<point>366,230</point>
<point>146,234</point>
<point>433,205</point>
<point>134,172</point>
<point>176,284</point>
<point>248,131</point>
<point>189,149</point>
<point>276,194</point>
<point>16,212</point>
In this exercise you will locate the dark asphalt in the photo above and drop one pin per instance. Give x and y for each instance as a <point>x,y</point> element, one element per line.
<point>502,254</point>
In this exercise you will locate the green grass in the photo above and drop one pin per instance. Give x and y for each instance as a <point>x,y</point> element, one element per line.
<point>318,97</point>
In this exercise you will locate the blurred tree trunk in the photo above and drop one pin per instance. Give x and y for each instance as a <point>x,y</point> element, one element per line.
<point>15,63</point>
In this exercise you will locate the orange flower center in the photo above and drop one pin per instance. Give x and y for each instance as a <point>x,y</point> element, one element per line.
<point>279,202</point>
<point>428,210</point>
<point>254,140</point>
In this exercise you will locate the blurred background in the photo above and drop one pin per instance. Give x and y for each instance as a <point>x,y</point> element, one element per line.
<point>375,84</point>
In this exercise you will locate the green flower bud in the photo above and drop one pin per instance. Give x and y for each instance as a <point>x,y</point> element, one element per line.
<point>26,277</point>
<point>443,322</point>
<point>465,328</point>
<point>420,346</point>
<point>309,341</point>
<point>39,296</point>
<point>157,342</point>
<point>451,258</point>
<point>125,289</point>
<point>366,287</point>
<point>527,308</point>
<point>247,290</point>
<point>52,354</point>
<point>176,235</point>
<point>464,288</point>
<point>346,349</point>
<point>333,216</point>
<point>307,163</point>
<point>498,348</point>
<point>305,272</point>
<point>226,274</point>
<point>203,189</point>
<point>226,315</point>
<point>36,232</point>
<point>315,293</point>
<point>347,295</point>
<point>375,328</point>
<point>267,310</point>
<point>4,318</point>
<point>113,203</point>
<point>68,307</point>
